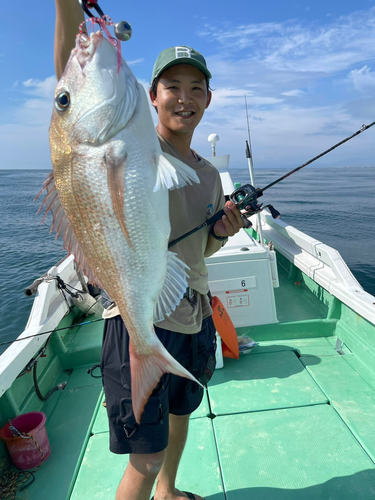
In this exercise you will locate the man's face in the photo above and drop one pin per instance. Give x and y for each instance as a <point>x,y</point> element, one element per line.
<point>181,99</point>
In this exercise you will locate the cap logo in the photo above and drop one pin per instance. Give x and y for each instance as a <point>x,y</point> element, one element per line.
<point>182,52</point>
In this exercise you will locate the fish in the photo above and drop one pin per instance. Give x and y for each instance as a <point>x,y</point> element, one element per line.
<point>108,193</point>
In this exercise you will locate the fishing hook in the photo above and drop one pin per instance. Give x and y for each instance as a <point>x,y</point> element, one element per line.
<point>123,29</point>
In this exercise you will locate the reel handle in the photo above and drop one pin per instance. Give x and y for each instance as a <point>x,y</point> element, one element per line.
<point>246,223</point>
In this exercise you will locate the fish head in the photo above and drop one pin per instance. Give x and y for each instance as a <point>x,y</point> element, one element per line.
<point>95,97</point>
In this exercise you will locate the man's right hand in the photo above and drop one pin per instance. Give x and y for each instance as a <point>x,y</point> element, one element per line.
<point>69,15</point>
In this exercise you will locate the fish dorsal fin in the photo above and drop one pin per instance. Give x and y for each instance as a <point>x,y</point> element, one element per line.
<point>173,173</point>
<point>62,227</point>
<point>173,289</point>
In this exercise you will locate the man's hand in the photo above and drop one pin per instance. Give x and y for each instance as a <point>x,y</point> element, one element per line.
<point>230,223</point>
<point>69,15</point>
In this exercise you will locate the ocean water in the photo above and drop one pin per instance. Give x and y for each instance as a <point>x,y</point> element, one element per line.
<point>333,205</point>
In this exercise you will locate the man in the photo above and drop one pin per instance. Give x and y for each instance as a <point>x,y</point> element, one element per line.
<point>180,93</point>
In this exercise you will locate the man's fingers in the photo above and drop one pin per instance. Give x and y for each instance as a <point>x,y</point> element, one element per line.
<point>234,215</point>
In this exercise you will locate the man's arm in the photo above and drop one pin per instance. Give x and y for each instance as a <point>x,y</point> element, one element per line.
<point>229,225</point>
<point>212,246</point>
<point>69,15</point>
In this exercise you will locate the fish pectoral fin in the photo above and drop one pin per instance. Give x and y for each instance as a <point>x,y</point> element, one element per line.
<point>146,372</point>
<point>62,227</point>
<point>173,173</point>
<point>115,159</point>
<point>173,289</point>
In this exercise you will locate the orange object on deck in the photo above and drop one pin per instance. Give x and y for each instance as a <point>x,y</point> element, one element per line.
<point>225,328</point>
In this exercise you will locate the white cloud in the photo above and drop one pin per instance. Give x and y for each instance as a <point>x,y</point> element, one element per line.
<point>41,88</point>
<point>229,97</point>
<point>293,93</point>
<point>363,79</point>
<point>284,137</point>
<point>24,136</point>
<point>278,60</point>
<point>135,62</point>
<point>300,47</point>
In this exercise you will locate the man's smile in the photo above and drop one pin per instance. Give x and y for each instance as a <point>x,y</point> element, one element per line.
<point>186,114</point>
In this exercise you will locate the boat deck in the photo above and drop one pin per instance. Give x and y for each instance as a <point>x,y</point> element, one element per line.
<point>292,419</point>
<point>286,427</point>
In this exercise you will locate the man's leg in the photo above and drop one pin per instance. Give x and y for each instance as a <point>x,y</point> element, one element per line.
<point>165,487</point>
<point>142,442</point>
<point>139,476</point>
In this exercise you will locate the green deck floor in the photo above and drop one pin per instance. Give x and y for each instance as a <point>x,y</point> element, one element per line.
<point>69,415</point>
<point>287,427</point>
<point>294,419</point>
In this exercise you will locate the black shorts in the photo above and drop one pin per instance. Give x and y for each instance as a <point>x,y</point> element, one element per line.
<point>173,394</point>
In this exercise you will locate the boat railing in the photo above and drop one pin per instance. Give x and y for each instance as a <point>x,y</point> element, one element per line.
<point>49,307</point>
<point>320,262</point>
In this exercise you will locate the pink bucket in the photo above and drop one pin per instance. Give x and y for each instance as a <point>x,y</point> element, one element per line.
<point>27,452</point>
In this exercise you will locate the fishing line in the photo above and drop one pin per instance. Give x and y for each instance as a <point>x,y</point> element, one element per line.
<point>362,129</point>
<point>246,197</point>
<point>51,331</point>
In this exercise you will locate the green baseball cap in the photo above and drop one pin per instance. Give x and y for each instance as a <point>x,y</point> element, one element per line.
<point>179,55</point>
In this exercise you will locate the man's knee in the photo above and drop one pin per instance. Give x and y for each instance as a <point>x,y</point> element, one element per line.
<point>147,464</point>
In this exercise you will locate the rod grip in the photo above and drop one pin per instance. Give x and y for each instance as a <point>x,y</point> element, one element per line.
<point>215,218</point>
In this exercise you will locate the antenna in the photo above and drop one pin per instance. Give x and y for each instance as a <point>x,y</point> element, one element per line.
<point>213,139</point>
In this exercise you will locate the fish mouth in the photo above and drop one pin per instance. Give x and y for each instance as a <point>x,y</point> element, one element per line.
<point>86,47</point>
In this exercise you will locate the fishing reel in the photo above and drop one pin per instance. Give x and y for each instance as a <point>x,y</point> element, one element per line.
<point>246,198</point>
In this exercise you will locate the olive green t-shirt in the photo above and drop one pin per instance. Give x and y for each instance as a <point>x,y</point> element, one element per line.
<point>189,207</point>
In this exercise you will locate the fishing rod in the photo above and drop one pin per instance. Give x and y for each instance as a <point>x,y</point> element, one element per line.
<point>246,197</point>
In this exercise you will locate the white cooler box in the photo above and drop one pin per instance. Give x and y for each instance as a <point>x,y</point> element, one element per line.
<point>243,275</point>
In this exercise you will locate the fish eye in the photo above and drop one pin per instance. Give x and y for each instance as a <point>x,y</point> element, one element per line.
<point>62,101</point>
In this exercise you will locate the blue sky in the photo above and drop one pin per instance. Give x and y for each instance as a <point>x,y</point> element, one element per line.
<point>307,68</point>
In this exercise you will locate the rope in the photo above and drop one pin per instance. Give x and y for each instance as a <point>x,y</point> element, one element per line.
<point>11,481</point>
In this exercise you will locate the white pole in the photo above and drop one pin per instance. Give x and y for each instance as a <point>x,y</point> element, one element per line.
<point>252,179</point>
<point>249,155</point>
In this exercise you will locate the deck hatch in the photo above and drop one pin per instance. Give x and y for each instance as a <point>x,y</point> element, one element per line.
<point>350,395</point>
<point>263,382</point>
<point>297,453</point>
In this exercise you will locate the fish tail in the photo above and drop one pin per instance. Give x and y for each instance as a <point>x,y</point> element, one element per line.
<point>146,372</point>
